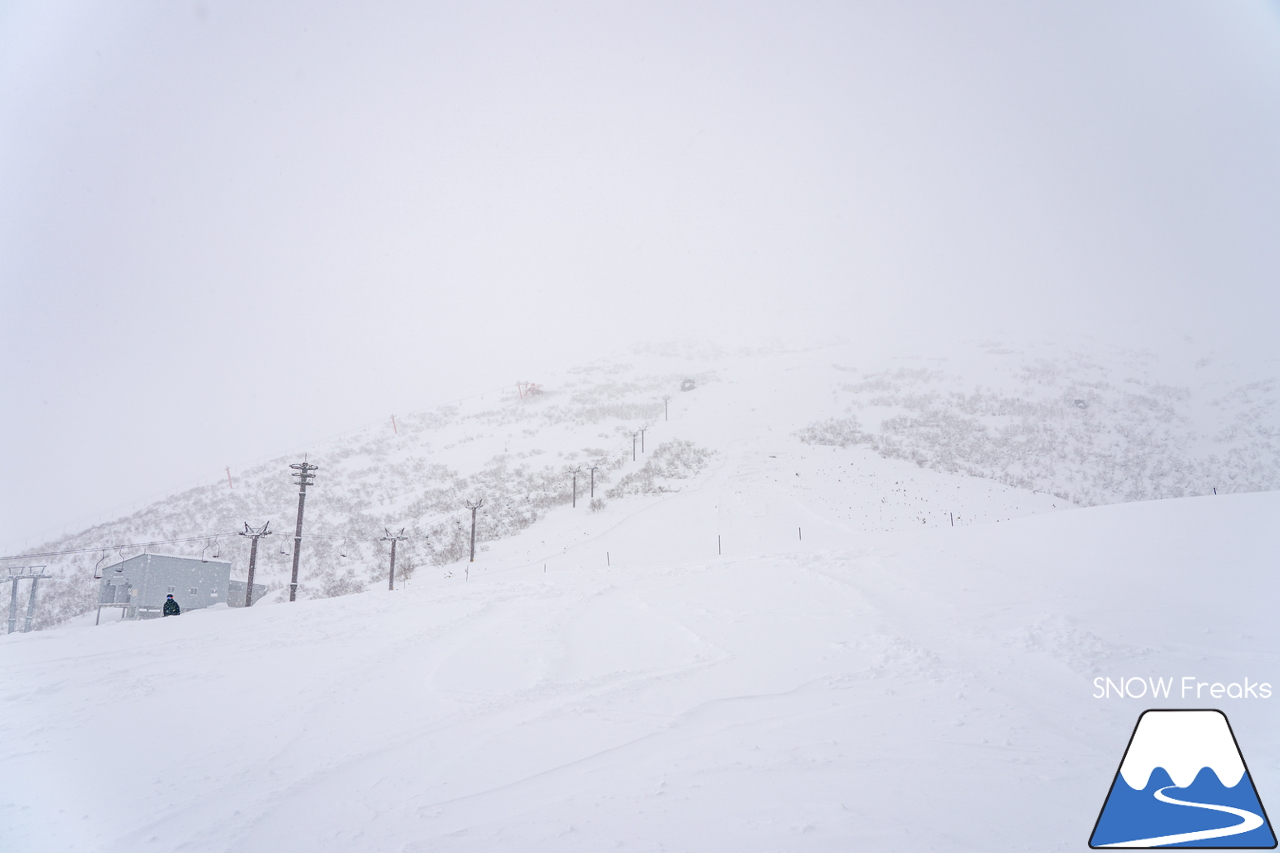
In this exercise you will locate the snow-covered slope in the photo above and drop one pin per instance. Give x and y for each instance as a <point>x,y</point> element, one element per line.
<point>924,689</point>
<point>750,642</point>
<point>830,438</point>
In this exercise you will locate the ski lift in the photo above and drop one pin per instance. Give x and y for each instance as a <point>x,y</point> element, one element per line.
<point>204,551</point>
<point>97,568</point>
<point>282,550</point>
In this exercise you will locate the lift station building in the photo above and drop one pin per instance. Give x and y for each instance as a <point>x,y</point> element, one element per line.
<point>140,585</point>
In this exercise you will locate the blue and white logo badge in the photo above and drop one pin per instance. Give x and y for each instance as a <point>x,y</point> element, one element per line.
<point>1183,783</point>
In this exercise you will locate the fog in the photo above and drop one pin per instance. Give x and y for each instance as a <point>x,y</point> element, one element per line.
<point>228,230</point>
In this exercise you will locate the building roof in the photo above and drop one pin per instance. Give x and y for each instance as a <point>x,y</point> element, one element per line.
<point>167,561</point>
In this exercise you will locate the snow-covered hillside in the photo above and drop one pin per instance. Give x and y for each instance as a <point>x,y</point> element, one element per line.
<point>829,437</point>
<point>929,688</point>
<point>1071,426</point>
<point>758,636</point>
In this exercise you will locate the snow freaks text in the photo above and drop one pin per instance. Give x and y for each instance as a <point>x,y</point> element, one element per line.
<point>1187,687</point>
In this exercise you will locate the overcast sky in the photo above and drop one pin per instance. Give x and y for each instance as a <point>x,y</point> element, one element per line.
<point>227,229</point>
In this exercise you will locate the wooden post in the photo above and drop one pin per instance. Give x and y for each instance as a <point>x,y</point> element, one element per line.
<point>305,477</point>
<point>473,507</point>
<point>254,534</point>
<point>391,575</point>
<point>31,604</point>
<point>393,538</point>
<point>253,561</point>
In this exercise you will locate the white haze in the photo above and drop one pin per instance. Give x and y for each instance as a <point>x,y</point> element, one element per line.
<point>228,230</point>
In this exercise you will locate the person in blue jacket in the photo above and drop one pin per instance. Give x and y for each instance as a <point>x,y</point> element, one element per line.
<point>171,607</point>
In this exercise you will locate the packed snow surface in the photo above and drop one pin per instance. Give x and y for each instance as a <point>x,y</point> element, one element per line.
<point>886,691</point>
<point>780,645</point>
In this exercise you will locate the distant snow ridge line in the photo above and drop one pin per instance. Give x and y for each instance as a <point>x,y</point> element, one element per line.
<point>1082,439</point>
<point>410,476</point>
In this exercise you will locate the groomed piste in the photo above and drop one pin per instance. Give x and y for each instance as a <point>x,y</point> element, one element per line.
<point>607,680</point>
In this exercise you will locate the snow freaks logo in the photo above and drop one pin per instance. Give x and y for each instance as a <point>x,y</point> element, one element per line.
<point>1182,783</point>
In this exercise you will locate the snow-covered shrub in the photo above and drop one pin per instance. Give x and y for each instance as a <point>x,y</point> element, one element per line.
<point>1067,431</point>
<point>836,432</point>
<point>343,581</point>
<point>672,460</point>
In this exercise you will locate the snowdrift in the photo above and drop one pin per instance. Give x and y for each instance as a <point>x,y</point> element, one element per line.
<point>911,690</point>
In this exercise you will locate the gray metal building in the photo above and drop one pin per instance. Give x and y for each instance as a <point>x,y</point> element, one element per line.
<point>235,593</point>
<point>139,585</point>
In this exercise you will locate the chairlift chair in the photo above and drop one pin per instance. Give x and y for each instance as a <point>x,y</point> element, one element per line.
<point>213,543</point>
